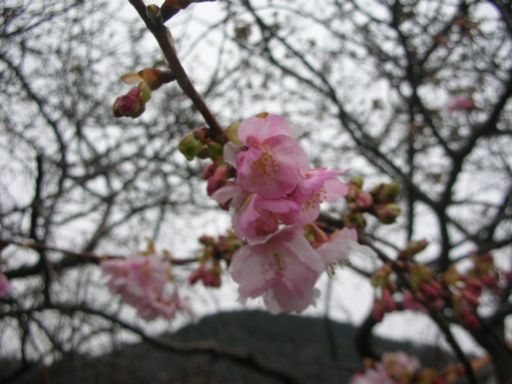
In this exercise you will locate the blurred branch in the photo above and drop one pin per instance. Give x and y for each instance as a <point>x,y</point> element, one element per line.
<point>72,259</point>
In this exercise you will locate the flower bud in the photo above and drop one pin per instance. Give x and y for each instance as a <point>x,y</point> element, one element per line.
<point>461,104</point>
<point>386,193</point>
<point>209,171</point>
<point>387,300</point>
<point>154,14</point>
<point>469,319</point>
<point>218,179</point>
<point>414,247</point>
<point>232,133</point>
<point>377,311</point>
<point>129,105</point>
<point>357,182</point>
<point>215,150</point>
<point>410,303</point>
<point>451,276</point>
<point>388,213</point>
<point>189,146</point>
<point>354,220</point>
<point>155,78</point>
<point>364,200</point>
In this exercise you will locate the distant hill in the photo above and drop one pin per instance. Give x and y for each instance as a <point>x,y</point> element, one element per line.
<point>297,344</point>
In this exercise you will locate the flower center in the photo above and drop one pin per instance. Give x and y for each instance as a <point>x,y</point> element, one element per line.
<point>265,167</point>
<point>316,199</point>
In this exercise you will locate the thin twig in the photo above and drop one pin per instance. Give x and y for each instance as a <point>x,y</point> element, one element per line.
<point>162,36</point>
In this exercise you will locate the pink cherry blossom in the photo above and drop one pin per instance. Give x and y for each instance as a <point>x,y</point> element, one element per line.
<point>284,269</point>
<point>271,168</point>
<point>5,287</point>
<point>399,364</point>
<point>141,282</point>
<point>340,245</point>
<point>166,306</point>
<point>315,187</point>
<point>259,218</point>
<point>376,375</point>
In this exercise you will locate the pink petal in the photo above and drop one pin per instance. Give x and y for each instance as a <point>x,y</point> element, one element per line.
<point>300,248</point>
<point>229,153</point>
<point>295,291</point>
<point>261,129</point>
<point>250,270</point>
<point>225,194</point>
<point>334,189</point>
<point>277,205</point>
<point>287,151</point>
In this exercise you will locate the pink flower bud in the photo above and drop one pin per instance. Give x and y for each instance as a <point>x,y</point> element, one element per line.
<point>209,171</point>
<point>208,277</point>
<point>387,300</point>
<point>377,311</point>
<point>489,281</point>
<point>129,105</point>
<point>364,200</point>
<point>470,298</point>
<point>469,319</point>
<point>410,303</point>
<point>461,104</point>
<point>387,213</point>
<point>218,179</point>
<point>430,290</point>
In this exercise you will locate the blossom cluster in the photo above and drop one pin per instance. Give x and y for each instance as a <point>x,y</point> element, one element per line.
<point>141,280</point>
<point>401,368</point>
<point>395,367</point>
<point>459,293</point>
<point>275,197</point>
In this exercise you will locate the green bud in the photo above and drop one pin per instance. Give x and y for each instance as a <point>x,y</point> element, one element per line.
<point>154,14</point>
<point>189,146</point>
<point>357,181</point>
<point>386,193</point>
<point>232,133</point>
<point>215,150</point>
<point>414,247</point>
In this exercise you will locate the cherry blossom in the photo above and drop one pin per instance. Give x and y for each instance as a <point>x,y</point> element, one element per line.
<point>315,187</point>
<point>376,375</point>
<point>270,161</point>
<point>141,282</point>
<point>259,218</point>
<point>284,269</point>
<point>399,364</point>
